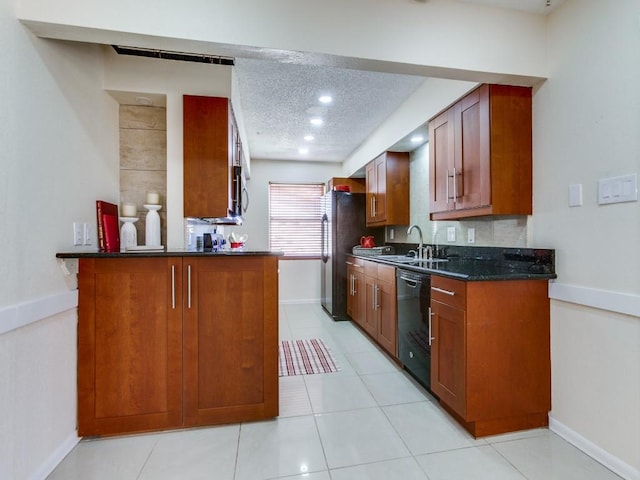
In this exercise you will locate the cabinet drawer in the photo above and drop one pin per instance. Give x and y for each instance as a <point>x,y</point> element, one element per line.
<point>357,263</point>
<point>449,291</point>
<point>387,273</point>
<point>370,268</point>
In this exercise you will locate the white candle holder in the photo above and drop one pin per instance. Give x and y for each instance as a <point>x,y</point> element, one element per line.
<point>128,233</point>
<point>152,225</point>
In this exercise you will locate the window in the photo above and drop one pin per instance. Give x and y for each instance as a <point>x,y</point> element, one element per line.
<point>295,216</point>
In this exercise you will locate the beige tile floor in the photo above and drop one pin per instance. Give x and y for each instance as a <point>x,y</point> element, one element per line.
<point>368,421</point>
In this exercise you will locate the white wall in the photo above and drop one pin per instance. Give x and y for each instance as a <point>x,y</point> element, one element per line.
<point>58,154</point>
<point>299,279</point>
<point>413,35</point>
<point>586,124</point>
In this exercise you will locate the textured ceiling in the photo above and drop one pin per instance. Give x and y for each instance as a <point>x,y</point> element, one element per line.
<point>278,98</point>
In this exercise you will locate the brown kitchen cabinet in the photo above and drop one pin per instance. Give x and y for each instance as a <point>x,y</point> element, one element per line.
<point>380,305</point>
<point>481,155</point>
<point>230,339</point>
<point>170,342</point>
<point>211,148</point>
<point>490,354</point>
<point>387,189</point>
<point>356,290</point>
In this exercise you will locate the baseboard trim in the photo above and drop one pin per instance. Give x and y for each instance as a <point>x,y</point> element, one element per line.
<point>610,461</point>
<point>55,458</point>
<point>22,314</point>
<point>300,302</point>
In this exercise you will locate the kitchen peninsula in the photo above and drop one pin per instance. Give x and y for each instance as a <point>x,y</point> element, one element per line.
<point>175,339</point>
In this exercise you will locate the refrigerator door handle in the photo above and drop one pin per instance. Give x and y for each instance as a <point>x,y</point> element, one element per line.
<point>324,241</point>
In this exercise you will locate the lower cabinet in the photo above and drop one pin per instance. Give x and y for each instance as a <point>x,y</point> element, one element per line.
<point>380,311</point>
<point>490,354</point>
<point>355,291</point>
<point>170,342</point>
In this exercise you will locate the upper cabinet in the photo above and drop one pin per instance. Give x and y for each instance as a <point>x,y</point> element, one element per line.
<point>480,155</point>
<point>387,185</point>
<point>212,158</point>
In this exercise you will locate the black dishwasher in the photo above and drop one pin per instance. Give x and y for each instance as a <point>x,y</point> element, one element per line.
<point>414,332</point>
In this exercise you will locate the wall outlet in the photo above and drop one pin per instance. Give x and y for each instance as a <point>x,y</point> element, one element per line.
<point>451,234</point>
<point>78,233</point>
<point>471,235</point>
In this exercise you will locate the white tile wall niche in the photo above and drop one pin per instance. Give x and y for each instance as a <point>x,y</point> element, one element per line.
<point>143,161</point>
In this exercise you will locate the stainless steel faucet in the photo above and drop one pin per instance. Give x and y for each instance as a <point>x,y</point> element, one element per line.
<point>429,251</point>
<point>420,246</point>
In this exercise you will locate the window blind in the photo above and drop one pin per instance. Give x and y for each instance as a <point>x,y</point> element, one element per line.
<point>295,215</point>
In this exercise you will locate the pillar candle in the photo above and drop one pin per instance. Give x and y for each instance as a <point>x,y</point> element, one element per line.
<point>153,198</point>
<point>129,210</point>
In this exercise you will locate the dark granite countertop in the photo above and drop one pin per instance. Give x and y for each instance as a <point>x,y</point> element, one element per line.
<point>168,253</point>
<point>484,263</point>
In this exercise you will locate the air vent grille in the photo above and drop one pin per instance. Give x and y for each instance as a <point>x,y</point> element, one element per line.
<point>170,55</point>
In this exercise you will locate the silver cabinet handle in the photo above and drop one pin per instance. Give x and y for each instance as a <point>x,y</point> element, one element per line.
<point>441,290</point>
<point>189,286</point>
<point>375,206</point>
<point>373,297</point>
<point>455,186</point>
<point>173,287</point>
<point>355,291</point>
<point>349,263</point>
<point>430,317</point>
<point>376,299</point>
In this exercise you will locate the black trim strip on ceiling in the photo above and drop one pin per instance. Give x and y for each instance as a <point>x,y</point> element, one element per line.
<point>169,55</point>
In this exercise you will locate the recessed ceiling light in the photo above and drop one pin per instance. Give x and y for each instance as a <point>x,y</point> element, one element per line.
<point>309,138</point>
<point>303,151</point>
<point>325,99</point>
<point>316,121</point>
<point>417,138</point>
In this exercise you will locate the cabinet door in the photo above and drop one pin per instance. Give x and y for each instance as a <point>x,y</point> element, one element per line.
<point>387,334</point>
<point>129,345</point>
<point>441,153</point>
<point>380,165</point>
<point>471,185</point>
<point>355,299</point>
<point>230,339</point>
<point>360,298</point>
<point>371,186</point>
<point>371,315</point>
<point>207,167</point>
<point>448,355</point>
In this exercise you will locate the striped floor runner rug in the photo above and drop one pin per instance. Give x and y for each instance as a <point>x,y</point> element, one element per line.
<point>305,357</point>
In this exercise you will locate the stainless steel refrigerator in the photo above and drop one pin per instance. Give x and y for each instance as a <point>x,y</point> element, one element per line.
<point>343,223</point>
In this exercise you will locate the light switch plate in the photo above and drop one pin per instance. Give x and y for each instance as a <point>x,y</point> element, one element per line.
<point>451,234</point>
<point>575,195</point>
<point>78,233</point>
<point>618,189</point>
